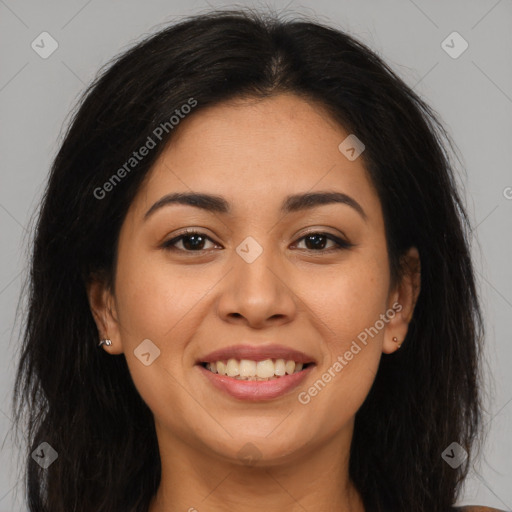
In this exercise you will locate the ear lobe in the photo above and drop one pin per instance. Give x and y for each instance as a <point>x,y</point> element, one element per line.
<point>405,296</point>
<point>103,311</point>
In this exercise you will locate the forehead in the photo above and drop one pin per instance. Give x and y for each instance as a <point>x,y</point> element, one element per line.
<point>256,152</point>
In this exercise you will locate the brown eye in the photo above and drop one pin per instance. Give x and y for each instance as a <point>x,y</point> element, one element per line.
<point>192,241</point>
<point>316,242</point>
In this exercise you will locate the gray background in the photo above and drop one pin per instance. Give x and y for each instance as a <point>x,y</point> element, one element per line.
<point>472,93</point>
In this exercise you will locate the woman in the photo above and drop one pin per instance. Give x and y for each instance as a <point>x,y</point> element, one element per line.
<point>250,217</point>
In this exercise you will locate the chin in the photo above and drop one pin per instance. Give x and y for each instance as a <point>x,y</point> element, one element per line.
<point>258,450</point>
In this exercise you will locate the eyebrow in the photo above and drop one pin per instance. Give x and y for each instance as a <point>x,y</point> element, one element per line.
<point>292,203</point>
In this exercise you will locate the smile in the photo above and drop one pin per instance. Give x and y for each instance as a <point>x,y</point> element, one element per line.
<point>246,369</point>
<point>255,380</point>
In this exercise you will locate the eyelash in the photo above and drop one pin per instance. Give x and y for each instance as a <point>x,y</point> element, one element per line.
<point>341,244</point>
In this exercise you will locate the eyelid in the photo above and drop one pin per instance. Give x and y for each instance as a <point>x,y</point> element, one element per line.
<point>168,244</point>
<point>341,243</point>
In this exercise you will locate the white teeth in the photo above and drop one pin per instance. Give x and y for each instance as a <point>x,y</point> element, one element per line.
<point>221,367</point>
<point>290,367</point>
<point>265,368</point>
<point>246,369</point>
<point>232,368</point>
<point>280,367</point>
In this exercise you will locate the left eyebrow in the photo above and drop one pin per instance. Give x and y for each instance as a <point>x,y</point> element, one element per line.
<point>292,203</point>
<point>299,202</point>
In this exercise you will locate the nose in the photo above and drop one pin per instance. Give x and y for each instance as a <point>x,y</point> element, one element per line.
<point>257,294</point>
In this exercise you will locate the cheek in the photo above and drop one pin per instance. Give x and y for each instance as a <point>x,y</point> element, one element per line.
<point>156,304</point>
<point>348,302</point>
<point>350,298</point>
<point>153,299</point>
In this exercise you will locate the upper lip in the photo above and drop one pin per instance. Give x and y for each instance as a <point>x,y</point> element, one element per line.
<point>257,353</point>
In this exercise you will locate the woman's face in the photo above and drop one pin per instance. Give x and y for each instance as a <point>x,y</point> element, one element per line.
<point>253,278</point>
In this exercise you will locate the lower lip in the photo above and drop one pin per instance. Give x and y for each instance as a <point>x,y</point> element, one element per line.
<point>256,390</point>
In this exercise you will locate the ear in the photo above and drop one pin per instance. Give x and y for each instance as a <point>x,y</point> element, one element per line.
<point>102,304</point>
<point>403,300</point>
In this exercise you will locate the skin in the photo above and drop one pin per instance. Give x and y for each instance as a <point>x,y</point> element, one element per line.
<point>254,153</point>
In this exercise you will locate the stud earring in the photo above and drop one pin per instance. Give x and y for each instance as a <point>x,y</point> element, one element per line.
<point>106,342</point>
<point>395,339</point>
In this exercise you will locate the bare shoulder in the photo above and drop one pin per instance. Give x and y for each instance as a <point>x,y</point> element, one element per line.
<point>477,508</point>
